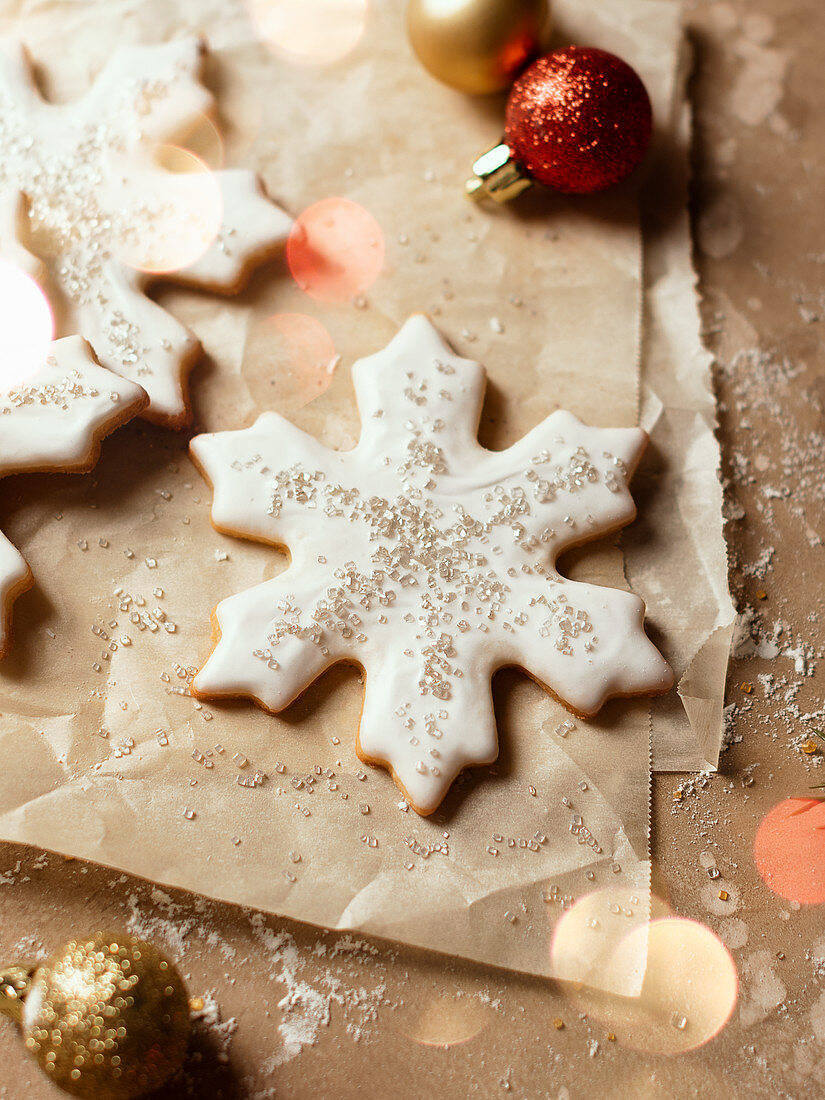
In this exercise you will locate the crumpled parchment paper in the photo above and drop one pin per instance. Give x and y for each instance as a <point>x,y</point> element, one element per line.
<point>549,295</point>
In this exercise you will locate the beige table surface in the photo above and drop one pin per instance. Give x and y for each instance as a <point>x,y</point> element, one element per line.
<point>294,1013</point>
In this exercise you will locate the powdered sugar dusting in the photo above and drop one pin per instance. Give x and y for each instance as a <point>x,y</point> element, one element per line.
<point>353,983</point>
<point>307,1008</point>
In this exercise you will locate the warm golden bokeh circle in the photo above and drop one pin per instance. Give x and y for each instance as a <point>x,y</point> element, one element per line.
<point>688,990</point>
<point>186,206</point>
<point>309,32</point>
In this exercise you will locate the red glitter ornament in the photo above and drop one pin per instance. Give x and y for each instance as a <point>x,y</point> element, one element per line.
<point>577,120</point>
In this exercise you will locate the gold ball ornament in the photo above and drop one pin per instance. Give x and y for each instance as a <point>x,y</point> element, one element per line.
<point>476,46</point>
<point>106,1017</point>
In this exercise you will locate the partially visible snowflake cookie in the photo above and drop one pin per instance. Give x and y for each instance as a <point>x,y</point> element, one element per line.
<point>428,560</point>
<point>54,420</point>
<point>98,204</point>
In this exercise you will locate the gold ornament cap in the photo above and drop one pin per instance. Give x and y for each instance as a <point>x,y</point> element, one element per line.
<point>14,985</point>
<point>106,1017</point>
<point>497,175</point>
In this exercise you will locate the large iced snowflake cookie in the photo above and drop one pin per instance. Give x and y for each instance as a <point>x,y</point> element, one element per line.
<point>428,560</point>
<point>54,420</point>
<point>107,221</point>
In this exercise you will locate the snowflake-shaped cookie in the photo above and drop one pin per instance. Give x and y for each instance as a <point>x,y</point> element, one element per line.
<point>96,198</point>
<point>428,560</point>
<point>54,419</point>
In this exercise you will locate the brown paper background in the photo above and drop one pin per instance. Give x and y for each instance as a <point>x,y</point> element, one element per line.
<point>372,128</point>
<point>449,1028</point>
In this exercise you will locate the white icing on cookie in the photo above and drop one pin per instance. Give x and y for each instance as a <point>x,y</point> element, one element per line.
<point>94,195</point>
<point>428,560</point>
<point>53,419</point>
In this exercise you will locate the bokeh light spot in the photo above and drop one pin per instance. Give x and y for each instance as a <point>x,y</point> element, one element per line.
<point>689,990</point>
<point>335,250</point>
<point>446,1021</point>
<point>589,941</point>
<point>790,850</point>
<point>295,360</point>
<point>177,216</point>
<point>26,326</point>
<point>310,32</point>
<point>204,139</point>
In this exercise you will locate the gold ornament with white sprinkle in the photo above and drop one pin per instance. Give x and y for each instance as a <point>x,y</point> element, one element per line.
<point>106,1017</point>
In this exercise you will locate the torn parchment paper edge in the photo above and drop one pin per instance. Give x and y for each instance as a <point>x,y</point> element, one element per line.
<point>676,362</point>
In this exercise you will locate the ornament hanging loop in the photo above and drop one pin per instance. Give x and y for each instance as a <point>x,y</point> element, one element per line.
<point>14,985</point>
<point>497,175</point>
